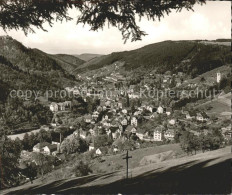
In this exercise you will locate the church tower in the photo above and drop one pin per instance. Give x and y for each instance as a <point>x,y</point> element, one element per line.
<point>219,77</point>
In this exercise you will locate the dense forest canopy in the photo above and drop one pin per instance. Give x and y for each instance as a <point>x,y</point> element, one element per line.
<point>27,14</point>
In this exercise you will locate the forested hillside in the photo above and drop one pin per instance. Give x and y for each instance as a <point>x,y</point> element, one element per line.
<point>192,57</point>
<point>27,69</point>
<point>24,67</point>
<point>68,62</point>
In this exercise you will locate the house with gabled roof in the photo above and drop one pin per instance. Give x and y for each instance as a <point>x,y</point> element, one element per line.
<point>67,105</point>
<point>169,134</point>
<point>124,111</point>
<point>168,111</point>
<point>106,123</point>
<point>149,108</point>
<point>131,129</point>
<point>61,106</point>
<point>92,131</point>
<point>102,150</point>
<point>158,133</point>
<point>50,149</point>
<point>154,115</point>
<point>124,122</point>
<point>91,146</point>
<point>108,115</point>
<point>115,123</point>
<point>191,115</point>
<point>141,133</point>
<point>93,122</point>
<point>202,116</point>
<point>54,107</point>
<point>119,105</point>
<point>95,114</point>
<point>115,132</point>
<point>88,118</point>
<point>83,134</point>
<point>172,122</point>
<point>160,110</point>
<point>134,121</point>
<point>39,147</point>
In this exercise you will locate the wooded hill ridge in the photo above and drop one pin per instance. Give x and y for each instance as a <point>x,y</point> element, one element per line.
<point>191,57</point>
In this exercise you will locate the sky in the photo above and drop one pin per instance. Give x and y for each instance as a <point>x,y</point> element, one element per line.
<point>209,21</point>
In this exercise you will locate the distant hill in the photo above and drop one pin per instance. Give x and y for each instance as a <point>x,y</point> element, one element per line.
<point>87,56</point>
<point>223,40</point>
<point>68,62</point>
<point>89,64</point>
<point>191,57</point>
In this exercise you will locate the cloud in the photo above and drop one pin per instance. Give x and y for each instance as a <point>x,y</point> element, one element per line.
<point>210,21</point>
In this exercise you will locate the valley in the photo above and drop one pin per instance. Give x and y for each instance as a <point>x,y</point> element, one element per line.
<point>93,108</point>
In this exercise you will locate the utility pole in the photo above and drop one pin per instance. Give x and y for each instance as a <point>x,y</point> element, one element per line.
<point>127,158</point>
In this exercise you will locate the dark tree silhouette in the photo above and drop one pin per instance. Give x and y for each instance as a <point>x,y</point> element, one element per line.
<point>26,14</point>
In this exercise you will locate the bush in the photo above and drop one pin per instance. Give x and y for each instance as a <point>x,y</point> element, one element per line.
<point>81,169</point>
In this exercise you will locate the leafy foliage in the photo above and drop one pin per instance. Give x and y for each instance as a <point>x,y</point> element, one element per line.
<point>26,14</point>
<point>100,140</point>
<point>33,69</point>
<point>73,144</point>
<point>17,114</point>
<point>31,171</point>
<point>68,62</point>
<point>211,141</point>
<point>81,168</point>
<point>10,154</point>
<point>44,162</point>
<point>79,106</point>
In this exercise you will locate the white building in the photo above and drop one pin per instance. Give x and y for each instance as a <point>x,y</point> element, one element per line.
<point>91,147</point>
<point>157,135</point>
<point>50,149</point>
<point>219,77</point>
<point>134,121</point>
<point>54,107</point>
<point>172,122</point>
<point>124,111</point>
<point>124,122</point>
<point>98,152</point>
<point>140,135</point>
<point>149,108</point>
<point>160,110</point>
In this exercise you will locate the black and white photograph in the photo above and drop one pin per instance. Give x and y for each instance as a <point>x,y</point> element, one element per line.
<point>115,97</point>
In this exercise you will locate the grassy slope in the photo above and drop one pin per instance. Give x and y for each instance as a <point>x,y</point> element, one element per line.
<point>202,173</point>
<point>220,107</point>
<point>210,76</point>
<point>116,160</point>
